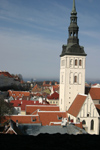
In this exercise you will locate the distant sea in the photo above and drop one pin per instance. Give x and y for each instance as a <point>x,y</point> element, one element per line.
<point>48,79</point>
<point>40,79</point>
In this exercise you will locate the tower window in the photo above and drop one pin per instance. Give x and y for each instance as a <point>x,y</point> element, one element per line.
<point>75,62</point>
<point>71,34</point>
<point>74,34</point>
<point>75,79</point>
<point>80,62</point>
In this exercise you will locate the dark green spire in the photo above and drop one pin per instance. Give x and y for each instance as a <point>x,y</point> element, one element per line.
<point>74,8</point>
<point>73,47</point>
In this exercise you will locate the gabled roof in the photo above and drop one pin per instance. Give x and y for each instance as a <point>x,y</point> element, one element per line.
<point>95,93</point>
<point>42,117</point>
<point>52,116</point>
<point>55,95</point>
<point>23,103</point>
<point>77,104</point>
<point>24,119</point>
<point>6,74</point>
<point>36,89</point>
<point>31,109</point>
<point>13,129</point>
<point>18,93</point>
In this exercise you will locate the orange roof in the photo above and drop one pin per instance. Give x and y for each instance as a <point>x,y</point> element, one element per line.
<point>95,93</point>
<point>30,109</point>
<point>7,74</point>
<point>55,87</point>
<point>36,89</point>
<point>47,117</point>
<point>76,105</point>
<point>97,106</point>
<point>55,95</point>
<point>27,119</point>
<point>43,117</point>
<point>15,94</point>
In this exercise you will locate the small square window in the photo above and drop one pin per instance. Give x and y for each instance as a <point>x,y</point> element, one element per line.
<point>33,119</point>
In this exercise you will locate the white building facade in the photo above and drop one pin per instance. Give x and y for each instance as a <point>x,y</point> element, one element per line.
<point>86,113</point>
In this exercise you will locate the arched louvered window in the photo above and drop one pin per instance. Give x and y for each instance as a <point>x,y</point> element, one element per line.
<point>75,62</point>
<point>75,79</point>
<point>80,62</point>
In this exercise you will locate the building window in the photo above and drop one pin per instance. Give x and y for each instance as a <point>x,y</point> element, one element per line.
<point>80,62</point>
<point>83,122</point>
<point>88,115</point>
<point>33,119</point>
<point>75,79</point>
<point>59,117</point>
<point>92,125</point>
<point>75,62</point>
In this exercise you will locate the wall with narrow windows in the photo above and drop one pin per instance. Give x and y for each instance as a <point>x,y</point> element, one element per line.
<point>72,79</point>
<point>88,115</point>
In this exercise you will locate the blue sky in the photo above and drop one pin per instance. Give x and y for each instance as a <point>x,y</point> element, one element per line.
<point>32,33</point>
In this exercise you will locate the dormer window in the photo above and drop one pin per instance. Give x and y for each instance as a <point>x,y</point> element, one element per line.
<point>33,119</point>
<point>59,117</point>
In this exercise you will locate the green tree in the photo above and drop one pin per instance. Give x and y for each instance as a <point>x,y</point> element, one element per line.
<point>5,108</point>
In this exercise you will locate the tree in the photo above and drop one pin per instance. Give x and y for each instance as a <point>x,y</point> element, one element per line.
<point>5,108</point>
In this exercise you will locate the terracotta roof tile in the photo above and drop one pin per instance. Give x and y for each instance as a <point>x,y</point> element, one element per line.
<point>76,105</point>
<point>55,95</point>
<point>27,119</point>
<point>47,117</point>
<point>6,74</point>
<point>23,103</point>
<point>31,109</point>
<point>95,93</point>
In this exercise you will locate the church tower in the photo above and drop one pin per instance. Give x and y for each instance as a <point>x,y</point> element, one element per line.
<point>72,65</point>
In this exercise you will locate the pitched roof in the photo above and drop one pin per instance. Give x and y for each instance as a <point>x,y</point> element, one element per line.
<point>30,109</point>
<point>24,119</point>
<point>95,93</point>
<point>76,105</point>
<point>18,93</point>
<point>47,117</point>
<point>43,117</point>
<point>23,103</point>
<point>6,74</point>
<point>36,89</point>
<point>55,95</point>
<point>55,87</point>
<point>98,108</point>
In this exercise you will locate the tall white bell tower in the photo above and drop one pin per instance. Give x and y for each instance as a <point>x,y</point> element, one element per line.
<point>72,65</point>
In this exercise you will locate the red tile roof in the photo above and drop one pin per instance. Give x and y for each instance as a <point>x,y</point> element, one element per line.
<point>76,105</point>
<point>43,117</point>
<point>6,74</point>
<point>55,95</point>
<point>27,119</point>
<point>97,106</point>
<point>47,117</point>
<point>15,94</point>
<point>55,87</point>
<point>31,109</point>
<point>36,89</point>
<point>95,93</point>
<point>23,103</point>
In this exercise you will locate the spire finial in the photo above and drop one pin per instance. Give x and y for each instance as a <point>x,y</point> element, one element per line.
<point>74,7</point>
